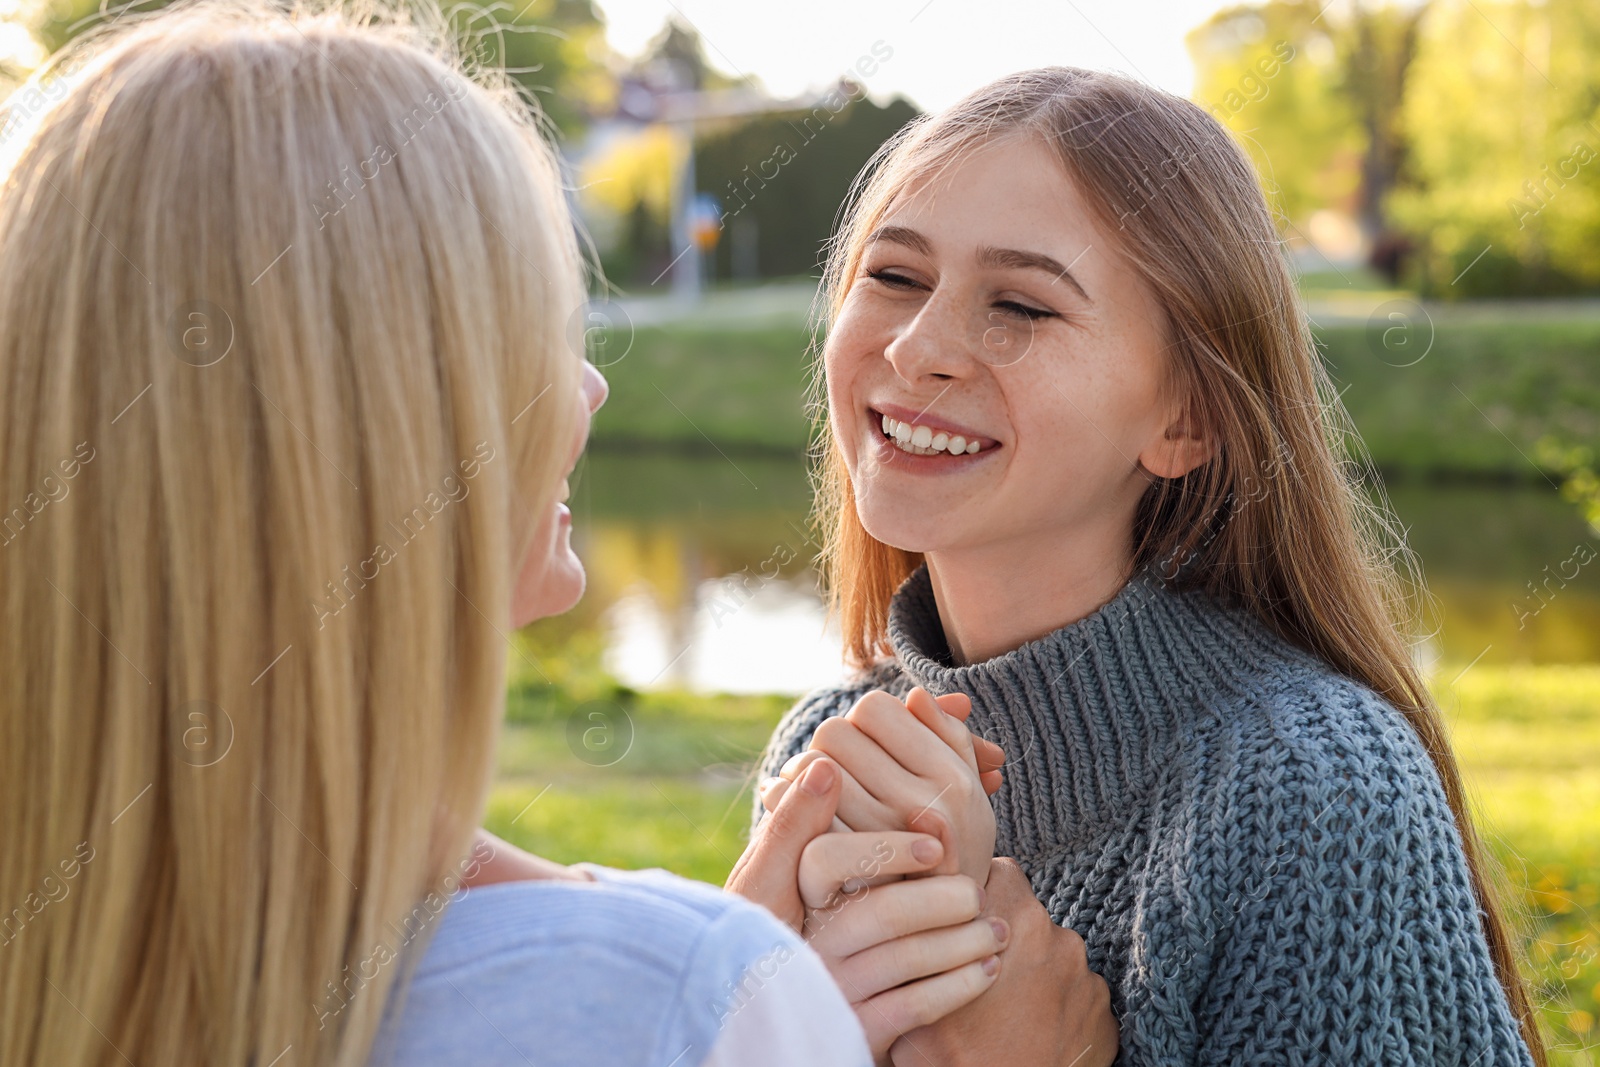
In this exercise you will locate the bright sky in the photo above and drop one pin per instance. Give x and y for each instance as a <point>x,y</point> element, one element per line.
<point>17,45</point>
<point>941,48</point>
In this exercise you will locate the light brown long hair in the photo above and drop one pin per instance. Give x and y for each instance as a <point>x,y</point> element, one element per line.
<point>278,293</point>
<point>1278,521</point>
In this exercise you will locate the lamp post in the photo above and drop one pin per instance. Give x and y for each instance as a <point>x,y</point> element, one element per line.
<point>697,219</point>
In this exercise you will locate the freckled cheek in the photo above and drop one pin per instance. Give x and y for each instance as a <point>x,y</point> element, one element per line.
<point>843,362</point>
<point>1065,441</point>
<point>834,363</point>
<point>864,329</point>
<point>1137,406</point>
<point>842,406</point>
<point>1108,398</point>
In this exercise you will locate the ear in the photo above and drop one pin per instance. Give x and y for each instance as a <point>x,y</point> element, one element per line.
<point>1183,445</point>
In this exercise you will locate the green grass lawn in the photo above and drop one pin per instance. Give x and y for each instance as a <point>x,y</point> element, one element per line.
<point>1488,387</point>
<point>690,385</point>
<point>593,771</point>
<point>1529,739</point>
<point>631,780</point>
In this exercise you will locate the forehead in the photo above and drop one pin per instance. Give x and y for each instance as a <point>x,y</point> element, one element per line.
<point>1011,190</point>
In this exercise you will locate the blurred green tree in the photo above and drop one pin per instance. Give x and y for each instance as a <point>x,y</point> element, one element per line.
<point>777,175</point>
<point>1315,90</point>
<point>1271,74</point>
<point>1501,117</point>
<point>555,49</point>
<point>1462,137</point>
<point>780,180</point>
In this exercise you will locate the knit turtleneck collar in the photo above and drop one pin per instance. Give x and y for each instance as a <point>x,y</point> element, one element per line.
<point>1092,715</point>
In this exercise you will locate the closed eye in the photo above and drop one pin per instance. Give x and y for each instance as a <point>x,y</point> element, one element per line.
<point>893,281</point>
<point>1031,313</point>
<point>902,283</point>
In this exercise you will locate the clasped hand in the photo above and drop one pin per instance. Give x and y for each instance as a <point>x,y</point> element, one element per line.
<point>892,910</point>
<point>903,761</point>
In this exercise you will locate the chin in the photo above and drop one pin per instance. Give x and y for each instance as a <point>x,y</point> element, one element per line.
<point>562,587</point>
<point>898,528</point>
<point>573,593</point>
<point>553,588</point>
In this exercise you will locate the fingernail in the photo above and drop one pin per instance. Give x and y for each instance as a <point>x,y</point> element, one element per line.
<point>1002,930</point>
<point>991,966</point>
<point>818,778</point>
<point>926,850</point>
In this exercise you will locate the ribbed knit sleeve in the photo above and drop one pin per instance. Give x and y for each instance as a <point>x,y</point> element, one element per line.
<point>1344,929</point>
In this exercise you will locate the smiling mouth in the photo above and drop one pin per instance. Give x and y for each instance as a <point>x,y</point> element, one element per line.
<point>919,440</point>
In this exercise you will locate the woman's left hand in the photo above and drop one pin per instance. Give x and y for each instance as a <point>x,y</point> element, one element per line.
<point>901,760</point>
<point>769,872</point>
<point>908,952</point>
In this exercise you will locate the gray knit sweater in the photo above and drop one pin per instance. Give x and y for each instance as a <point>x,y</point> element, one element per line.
<point>1256,850</point>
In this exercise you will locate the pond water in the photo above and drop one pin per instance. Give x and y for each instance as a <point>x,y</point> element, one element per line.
<point>700,573</point>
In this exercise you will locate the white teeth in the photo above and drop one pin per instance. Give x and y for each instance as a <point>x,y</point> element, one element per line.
<point>923,441</point>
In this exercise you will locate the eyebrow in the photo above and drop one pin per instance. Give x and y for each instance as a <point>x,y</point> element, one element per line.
<point>988,255</point>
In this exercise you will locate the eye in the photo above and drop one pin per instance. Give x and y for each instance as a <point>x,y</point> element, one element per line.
<point>893,281</point>
<point>1024,310</point>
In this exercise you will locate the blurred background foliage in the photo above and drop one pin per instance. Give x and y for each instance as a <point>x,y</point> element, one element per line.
<point>1429,135</point>
<point>1441,129</point>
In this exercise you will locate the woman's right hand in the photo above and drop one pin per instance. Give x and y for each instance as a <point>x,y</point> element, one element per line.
<point>1047,1008</point>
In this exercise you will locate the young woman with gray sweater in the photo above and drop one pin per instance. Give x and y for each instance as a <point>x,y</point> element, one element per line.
<point>1083,465</point>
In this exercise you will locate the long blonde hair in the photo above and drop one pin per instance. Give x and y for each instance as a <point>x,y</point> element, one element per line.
<point>286,389</point>
<point>1277,522</point>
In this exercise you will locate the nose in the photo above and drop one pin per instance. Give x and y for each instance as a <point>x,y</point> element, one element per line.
<point>932,345</point>
<point>595,389</point>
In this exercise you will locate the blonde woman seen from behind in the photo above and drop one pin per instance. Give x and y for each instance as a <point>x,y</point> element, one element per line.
<point>286,409</point>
